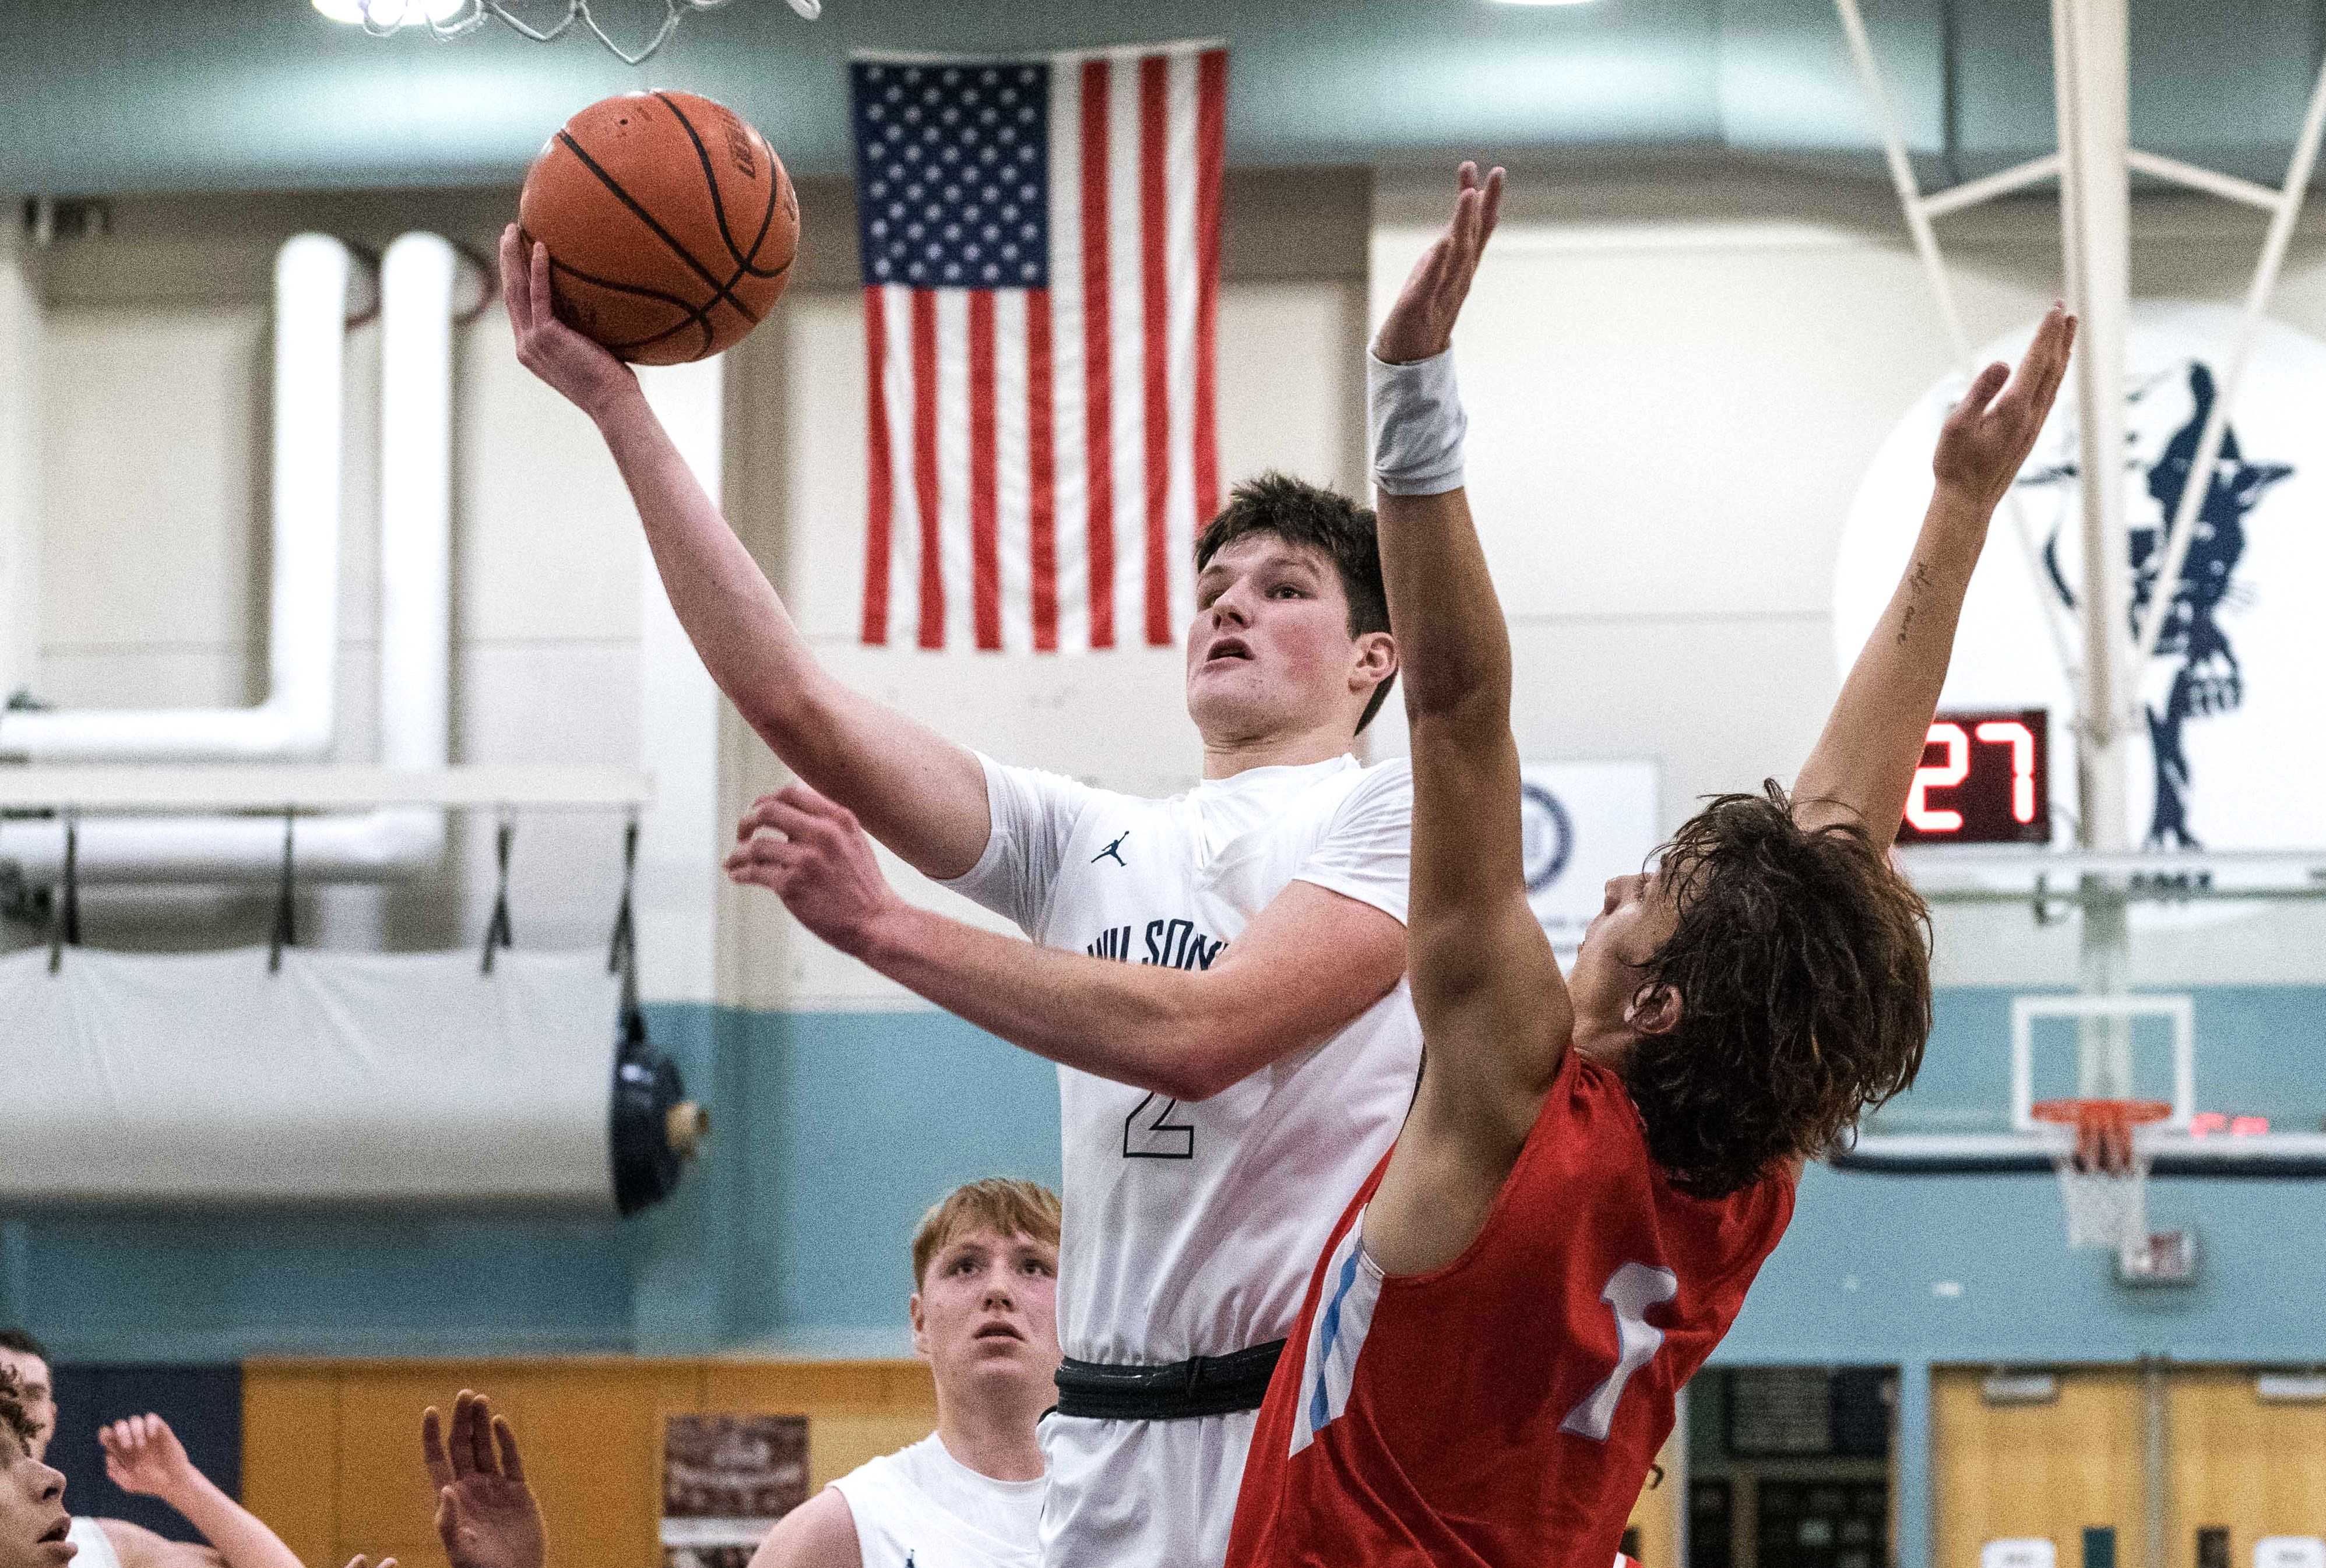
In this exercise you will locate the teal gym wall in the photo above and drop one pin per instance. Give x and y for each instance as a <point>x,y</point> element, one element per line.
<point>832,1131</point>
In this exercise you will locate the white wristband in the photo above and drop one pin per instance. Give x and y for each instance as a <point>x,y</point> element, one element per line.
<point>1414,414</point>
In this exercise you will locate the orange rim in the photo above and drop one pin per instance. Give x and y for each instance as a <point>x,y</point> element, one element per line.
<point>2091,1113</point>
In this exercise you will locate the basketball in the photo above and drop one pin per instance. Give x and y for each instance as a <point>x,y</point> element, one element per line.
<point>670,222</point>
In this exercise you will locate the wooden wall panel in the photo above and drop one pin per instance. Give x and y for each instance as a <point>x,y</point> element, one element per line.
<point>2047,1470</point>
<point>290,1458</point>
<point>858,1410</point>
<point>2258,1469</point>
<point>332,1448</point>
<point>1656,1515</point>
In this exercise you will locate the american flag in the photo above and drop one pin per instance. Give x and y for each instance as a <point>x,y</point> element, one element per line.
<point>1041,244</point>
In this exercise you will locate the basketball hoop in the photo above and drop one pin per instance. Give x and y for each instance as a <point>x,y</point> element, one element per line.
<point>2101,1150</point>
<point>382,17</point>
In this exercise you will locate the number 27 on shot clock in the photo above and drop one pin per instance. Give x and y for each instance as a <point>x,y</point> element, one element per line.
<point>1984,779</point>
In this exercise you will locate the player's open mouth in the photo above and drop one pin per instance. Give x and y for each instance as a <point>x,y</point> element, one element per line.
<point>1228,648</point>
<point>999,1331</point>
<point>56,1532</point>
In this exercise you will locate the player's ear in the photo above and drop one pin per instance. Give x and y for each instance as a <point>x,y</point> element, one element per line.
<point>1653,1010</point>
<point>1376,659</point>
<point>920,1335</point>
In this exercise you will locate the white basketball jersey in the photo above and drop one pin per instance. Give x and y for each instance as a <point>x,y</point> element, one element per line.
<point>1191,1229</point>
<point>95,1547</point>
<point>921,1508</point>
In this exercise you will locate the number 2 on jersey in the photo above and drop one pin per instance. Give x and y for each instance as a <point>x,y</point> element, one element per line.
<point>1149,1133</point>
<point>1631,1291</point>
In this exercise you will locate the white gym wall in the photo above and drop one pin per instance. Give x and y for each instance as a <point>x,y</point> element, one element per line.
<point>1676,379</point>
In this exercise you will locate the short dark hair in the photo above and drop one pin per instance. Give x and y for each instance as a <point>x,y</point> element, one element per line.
<point>21,1340</point>
<point>1325,520</point>
<point>13,1417</point>
<point>1802,966</point>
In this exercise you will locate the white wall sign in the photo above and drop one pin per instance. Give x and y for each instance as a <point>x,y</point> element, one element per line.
<point>2020,1552</point>
<point>1583,822</point>
<point>2290,1552</point>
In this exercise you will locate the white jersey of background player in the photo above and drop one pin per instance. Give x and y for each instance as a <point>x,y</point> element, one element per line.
<point>969,1495</point>
<point>1272,1064</point>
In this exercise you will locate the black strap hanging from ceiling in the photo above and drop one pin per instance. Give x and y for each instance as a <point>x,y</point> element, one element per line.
<point>286,931</point>
<point>498,932</point>
<point>622,953</point>
<point>64,929</point>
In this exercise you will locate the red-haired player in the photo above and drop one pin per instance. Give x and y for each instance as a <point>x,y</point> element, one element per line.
<point>1595,1167</point>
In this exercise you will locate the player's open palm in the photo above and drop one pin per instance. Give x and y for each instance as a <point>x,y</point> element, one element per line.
<point>486,1514</point>
<point>1986,438</point>
<point>579,369</point>
<point>143,1455</point>
<point>1421,325</point>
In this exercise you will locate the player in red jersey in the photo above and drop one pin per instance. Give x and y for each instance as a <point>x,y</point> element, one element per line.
<point>1595,1167</point>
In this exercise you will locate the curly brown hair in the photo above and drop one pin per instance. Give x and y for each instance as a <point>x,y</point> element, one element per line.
<point>15,1418</point>
<point>1802,966</point>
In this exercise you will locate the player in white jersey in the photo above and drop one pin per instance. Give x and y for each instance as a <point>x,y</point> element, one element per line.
<point>984,1312</point>
<point>1226,1083</point>
<point>143,1455</point>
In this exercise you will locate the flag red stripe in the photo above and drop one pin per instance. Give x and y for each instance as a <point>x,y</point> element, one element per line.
<point>925,465</point>
<point>1041,473</point>
<point>1098,358</point>
<point>1211,153</point>
<point>1154,125</point>
<point>878,501</point>
<point>984,508</point>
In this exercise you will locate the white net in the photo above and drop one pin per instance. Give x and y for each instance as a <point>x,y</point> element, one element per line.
<point>2105,1209</point>
<point>2102,1153</point>
<point>650,22</point>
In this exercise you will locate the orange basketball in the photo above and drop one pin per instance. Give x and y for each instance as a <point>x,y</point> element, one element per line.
<point>671,225</point>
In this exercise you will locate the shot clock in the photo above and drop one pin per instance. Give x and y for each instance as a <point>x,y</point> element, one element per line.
<point>1983,781</point>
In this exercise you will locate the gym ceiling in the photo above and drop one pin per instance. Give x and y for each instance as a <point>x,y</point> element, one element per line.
<point>125,96</point>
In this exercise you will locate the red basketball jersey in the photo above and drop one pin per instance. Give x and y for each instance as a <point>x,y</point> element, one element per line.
<point>1504,1409</point>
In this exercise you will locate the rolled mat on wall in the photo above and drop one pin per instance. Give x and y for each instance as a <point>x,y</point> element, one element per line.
<point>340,1078</point>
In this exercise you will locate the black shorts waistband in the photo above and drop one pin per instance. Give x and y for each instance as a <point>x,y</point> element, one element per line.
<point>1200,1386</point>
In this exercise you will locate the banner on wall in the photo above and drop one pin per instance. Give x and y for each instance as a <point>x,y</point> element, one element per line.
<point>1581,823</point>
<point>726,1480</point>
<point>2228,697</point>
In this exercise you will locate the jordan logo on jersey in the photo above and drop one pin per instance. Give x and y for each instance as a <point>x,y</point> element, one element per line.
<point>1344,1317</point>
<point>1113,851</point>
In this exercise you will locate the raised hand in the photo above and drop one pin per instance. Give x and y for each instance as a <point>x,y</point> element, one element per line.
<point>1988,437</point>
<point>812,854</point>
<point>579,369</point>
<point>486,1514</point>
<point>143,1455</point>
<point>1421,325</point>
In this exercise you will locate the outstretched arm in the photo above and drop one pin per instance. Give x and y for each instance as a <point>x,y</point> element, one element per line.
<point>1493,1005</point>
<point>143,1455</point>
<point>1495,1017</point>
<point>1865,760</point>
<point>1309,962</point>
<point>918,792</point>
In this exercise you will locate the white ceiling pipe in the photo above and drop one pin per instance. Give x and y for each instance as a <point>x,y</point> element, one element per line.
<point>419,276</point>
<point>20,379</point>
<point>313,273</point>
